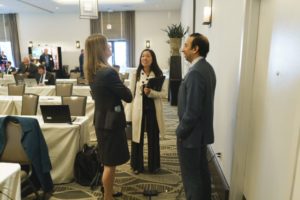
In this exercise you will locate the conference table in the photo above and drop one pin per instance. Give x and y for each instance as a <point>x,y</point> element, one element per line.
<point>10,181</point>
<point>12,105</point>
<point>49,90</point>
<point>64,141</point>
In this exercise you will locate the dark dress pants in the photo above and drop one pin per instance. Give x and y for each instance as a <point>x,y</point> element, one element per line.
<point>194,172</point>
<point>149,124</point>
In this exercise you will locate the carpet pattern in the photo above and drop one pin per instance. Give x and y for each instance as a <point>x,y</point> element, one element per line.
<point>167,181</point>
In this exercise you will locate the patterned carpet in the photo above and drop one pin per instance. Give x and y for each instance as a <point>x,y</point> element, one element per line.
<point>167,182</point>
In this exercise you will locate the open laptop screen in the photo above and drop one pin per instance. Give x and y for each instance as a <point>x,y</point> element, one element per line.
<point>56,113</point>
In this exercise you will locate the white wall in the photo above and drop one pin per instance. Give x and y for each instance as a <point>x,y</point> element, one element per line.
<point>148,27</point>
<point>65,29</point>
<point>55,30</point>
<point>225,38</point>
<point>273,151</point>
<point>272,146</point>
<point>187,21</point>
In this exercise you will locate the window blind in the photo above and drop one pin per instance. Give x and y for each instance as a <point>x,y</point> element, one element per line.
<point>115,19</point>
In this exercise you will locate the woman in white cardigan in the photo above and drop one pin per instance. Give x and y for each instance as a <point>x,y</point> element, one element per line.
<point>147,114</point>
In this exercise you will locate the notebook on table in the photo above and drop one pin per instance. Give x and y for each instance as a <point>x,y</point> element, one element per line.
<point>56,114</point>
<point>156,83</point>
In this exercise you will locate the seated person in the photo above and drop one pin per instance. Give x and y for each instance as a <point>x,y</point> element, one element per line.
<point>27,68</point>
<point>9,69</point>
<point>43,77</point>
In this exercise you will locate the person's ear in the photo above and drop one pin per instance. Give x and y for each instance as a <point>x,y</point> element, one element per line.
<point>196,49</point>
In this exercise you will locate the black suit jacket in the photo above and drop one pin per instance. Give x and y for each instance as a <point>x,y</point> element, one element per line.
<point>108,91</point>
<point>32,69</point>
<point>49,77</point>
<point>196,106</point>
<point>11,70</point>
<point>49,67</point>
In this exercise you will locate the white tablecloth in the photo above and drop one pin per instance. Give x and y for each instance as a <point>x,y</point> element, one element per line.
<point>10,181</point>
<point>71,80</point>
<point>49,90</point>
<point>12,105</point>
<point>64,141</point>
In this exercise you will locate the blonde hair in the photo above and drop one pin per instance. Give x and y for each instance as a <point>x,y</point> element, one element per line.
<point>94,55</point>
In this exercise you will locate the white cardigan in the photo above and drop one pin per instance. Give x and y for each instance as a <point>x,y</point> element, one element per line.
<point>134,111</point>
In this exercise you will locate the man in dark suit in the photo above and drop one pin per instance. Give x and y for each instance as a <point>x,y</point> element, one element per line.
<point>27,68</point>
<point>47,60</point>
<point>81,61</point>
<point>43,77</point>
<point>9,69</point>
<point>195,111</point>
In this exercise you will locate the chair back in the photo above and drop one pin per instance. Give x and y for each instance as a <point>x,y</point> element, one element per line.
<point>13,150</point>
<point>16,90</point>
<point>82,81</point>
<point>77,104</point>
<point>74,75</point>
<point>29,104</point>
<point>64,89</point>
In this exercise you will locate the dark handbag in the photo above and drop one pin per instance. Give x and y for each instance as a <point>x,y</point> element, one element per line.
<point>87,167</point>
<point>115,120</point>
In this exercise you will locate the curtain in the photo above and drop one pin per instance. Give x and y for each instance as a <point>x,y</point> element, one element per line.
<point>130,37</point>
<point>13,36</point>
<point>95,25</point>
<point>123,27</point>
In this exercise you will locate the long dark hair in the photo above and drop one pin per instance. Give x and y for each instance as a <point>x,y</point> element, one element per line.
<point>153,67</point>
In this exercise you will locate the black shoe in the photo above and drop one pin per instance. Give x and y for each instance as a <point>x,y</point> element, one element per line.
<point>116,194</point>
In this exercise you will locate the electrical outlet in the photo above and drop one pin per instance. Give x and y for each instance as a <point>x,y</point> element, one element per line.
<point>219,155</point>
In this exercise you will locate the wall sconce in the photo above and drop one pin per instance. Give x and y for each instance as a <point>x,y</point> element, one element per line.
<point>147,44</point>
<point>108,26</point>
<point>207,15</point>
<point>30,44</point>
<point>77,44</point>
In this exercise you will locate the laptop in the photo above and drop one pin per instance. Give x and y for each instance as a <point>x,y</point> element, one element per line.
<point>56,114</point>
<point>30,82</point>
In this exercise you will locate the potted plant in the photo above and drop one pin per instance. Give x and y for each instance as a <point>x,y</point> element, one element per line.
<point>175,33</point>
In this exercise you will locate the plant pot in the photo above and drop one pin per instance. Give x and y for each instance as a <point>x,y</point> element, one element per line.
<point>175,44</point>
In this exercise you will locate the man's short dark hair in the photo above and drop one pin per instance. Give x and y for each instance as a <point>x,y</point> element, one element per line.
<point>41,67</point>
<point>8,62</point>
<point>202,42</point>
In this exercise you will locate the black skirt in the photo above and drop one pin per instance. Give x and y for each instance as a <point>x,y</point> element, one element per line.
<point>113,147</point>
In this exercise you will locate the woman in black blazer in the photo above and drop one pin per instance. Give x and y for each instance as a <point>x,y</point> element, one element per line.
<point>109,117</point>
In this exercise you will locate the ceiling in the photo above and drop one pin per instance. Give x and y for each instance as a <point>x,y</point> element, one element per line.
<point>69,6</point>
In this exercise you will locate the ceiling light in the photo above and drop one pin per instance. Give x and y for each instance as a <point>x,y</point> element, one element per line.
<point>88,9</point>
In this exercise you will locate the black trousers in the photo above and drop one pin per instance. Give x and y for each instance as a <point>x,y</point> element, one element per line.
<point>194,172</point>
<point>149,125</point>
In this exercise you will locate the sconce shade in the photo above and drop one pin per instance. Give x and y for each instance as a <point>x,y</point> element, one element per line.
<point>77,44</point>
<point>108,26</point>
<point>147,44</point>
<point>207,15</point>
